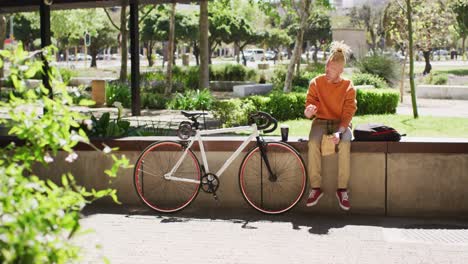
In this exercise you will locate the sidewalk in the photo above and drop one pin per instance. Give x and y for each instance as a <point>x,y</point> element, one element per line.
<point>135,235</point>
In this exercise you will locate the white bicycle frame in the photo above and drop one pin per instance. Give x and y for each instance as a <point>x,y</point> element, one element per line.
<point>198,137</point>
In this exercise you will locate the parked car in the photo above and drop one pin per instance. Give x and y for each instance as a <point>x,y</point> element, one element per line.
<point>82,56</point>
<point>254,54</point>
<point>270,55</point>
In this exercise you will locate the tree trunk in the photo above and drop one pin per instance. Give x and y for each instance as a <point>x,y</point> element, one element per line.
<point>299,58</point>
<point>123,42</point>
<point>149,53</point>
<point>170,51</point>
<point>463,47</point>
<point>2,37</point>
<point>411,57</point>
<point>373,36</point>
<point>93,52</point>
<point>196,53</point>
<point>204,49</point>
<point>314,56</point>
<point>298,45</point>
<point>428,67</point>
<point>402,81</point>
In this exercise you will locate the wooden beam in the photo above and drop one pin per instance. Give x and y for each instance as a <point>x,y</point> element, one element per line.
<point>135,59</point>
<point>13,6</point>
<point>45,41</point>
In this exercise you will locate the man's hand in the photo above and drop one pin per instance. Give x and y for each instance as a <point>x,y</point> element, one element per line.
<point>335,138</point>
<point>337,135</point>
<point>310,110</point>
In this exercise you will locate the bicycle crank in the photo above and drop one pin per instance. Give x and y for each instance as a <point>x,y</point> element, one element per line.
<point>210,183</point>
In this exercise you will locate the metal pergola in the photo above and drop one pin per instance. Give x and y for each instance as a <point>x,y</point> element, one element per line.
<point>45,6</point>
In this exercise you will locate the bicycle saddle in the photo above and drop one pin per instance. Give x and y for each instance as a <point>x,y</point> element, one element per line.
<point>193,114</point>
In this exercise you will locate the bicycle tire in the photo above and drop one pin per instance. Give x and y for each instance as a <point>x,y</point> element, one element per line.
<point>158,193</point>
<point>268,196</point>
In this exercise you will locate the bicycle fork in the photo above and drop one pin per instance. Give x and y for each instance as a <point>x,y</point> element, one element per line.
<point>272,177</point>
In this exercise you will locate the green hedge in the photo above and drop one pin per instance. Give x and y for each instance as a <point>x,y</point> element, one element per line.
<point>232,72</point>
<point>382,66</point>
<point>377,101</point>
<point>291,106</point>
<point>281,106</point>
<point>368,79</point>
<point>153,101</point>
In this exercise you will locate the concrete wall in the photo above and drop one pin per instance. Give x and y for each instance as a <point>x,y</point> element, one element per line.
<point>403,179</point>
<point>427,184</point>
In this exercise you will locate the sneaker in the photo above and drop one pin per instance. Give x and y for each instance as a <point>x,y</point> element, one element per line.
<point>343,199</point>
<point>314,197</point>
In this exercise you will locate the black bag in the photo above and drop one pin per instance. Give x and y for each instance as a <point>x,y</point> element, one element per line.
<point>376,132</point>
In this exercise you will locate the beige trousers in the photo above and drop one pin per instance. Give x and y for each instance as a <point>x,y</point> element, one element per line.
<point>319,128</point>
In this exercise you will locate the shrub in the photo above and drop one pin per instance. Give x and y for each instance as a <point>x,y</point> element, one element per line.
<point>192,100</point>
<point>316,67</point>
<point>232,72</point>
<point>377,101</point>
<point>118,92</point>
<point>281,106</point>
<point>40,217</point>
<point>233,112</point>
<point>286,106</point>
<point>301,80</point>
<point>436,78</point>
<point>153,101</point>
<point>192,78</point>
<point>66,74</point>
<point>382,66</point>
<point>368,79</point>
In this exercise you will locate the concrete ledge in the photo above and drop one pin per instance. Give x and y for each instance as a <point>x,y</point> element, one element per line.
<point>251,89</point>
<point>364,86</point>
<point>459,92</point>
<point>226,86</point>
<point>86,81</point>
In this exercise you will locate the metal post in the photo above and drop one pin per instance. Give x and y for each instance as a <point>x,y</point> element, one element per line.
<point>44,11</point>
<point>135,58</point>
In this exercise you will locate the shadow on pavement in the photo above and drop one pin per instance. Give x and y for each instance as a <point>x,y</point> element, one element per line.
<point>246,218</point>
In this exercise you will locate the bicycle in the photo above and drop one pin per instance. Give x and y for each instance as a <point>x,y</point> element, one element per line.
<point>272,176</point>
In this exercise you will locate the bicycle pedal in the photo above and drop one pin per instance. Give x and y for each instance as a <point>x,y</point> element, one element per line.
<point>215,197</point>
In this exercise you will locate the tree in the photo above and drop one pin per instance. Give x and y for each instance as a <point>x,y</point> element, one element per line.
<point>69,26</point>
<point>369,18</point>
<point>304,15</point>
<point>318,30</point>
<point>204,49</point>
<point>411,72</point>
<point>26,28</point>
<point>460,9</point>
<point>104,37</point>
<point>123,35</point>
<point>431,23</point>
<point>277,38</point>
<point>222,23</point>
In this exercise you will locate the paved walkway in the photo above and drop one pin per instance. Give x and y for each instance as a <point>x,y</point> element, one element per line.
<point>139,236</point>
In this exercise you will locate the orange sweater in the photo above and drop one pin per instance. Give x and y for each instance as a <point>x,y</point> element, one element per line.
<point>333,101</point>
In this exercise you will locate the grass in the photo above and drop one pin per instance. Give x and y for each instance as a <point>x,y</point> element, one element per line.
<point>425,126</point>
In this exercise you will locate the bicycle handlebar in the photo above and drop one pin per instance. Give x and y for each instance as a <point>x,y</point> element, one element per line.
<point>263,121</point>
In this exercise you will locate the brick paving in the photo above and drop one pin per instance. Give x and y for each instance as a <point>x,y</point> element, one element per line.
<point>139,236</point>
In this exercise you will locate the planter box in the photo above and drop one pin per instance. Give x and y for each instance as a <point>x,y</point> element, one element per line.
<point>250,89</point>
<point>458,92</point>
<point>226,86</point>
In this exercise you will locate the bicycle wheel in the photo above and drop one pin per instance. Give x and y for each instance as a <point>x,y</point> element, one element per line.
<point>267,195</point>
<point>154,190</point>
